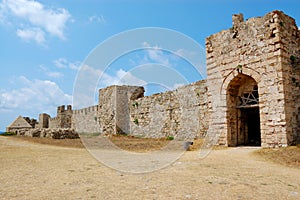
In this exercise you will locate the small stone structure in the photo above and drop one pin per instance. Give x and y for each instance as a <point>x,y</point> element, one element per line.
<point>19,125</point>
<point>251,95</point>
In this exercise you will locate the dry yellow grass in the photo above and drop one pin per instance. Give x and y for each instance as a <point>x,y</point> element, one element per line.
<point>289,156</point>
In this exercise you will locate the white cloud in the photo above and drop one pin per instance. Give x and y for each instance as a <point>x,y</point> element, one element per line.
<point>99,19</point>
<point>37,95</point>
<point>121,77</point>
<point>64,63</point>
<point>35,15</point>
<point>34,34</point>
<point>155,54</point>
<point>52,74</point>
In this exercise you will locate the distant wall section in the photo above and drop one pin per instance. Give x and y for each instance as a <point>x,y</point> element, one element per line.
<point>86,120</point>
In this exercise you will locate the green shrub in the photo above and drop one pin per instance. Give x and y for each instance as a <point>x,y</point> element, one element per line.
<point>170,137</point>
<point>136,121</point>
<point>8,134</point>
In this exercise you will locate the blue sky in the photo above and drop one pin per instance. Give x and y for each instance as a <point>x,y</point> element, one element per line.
<point>44,43</point>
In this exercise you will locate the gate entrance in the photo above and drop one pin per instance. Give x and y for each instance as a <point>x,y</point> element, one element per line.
<point>250,126</point>
<point>243,112</point>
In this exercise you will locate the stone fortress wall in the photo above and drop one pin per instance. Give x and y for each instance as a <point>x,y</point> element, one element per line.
<point>86,120</point>
<point>182,113</point>
<point>251,95</point>
<point>265,50</point>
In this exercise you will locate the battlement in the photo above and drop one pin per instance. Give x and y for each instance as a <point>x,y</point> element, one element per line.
<point>61,109</point>
<point>85,111</point>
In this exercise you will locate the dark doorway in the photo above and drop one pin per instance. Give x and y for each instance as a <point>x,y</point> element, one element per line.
<point>250,126</point>
<point>243,112</point>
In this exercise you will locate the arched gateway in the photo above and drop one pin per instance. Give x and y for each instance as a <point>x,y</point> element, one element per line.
<point>243,111</point>
<point>253,78</point>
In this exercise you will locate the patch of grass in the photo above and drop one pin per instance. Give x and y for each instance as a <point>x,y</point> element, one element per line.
<point>293,58</point>
<point>136,144</point>
<point>135,104</point>
<point>281,24</point>
<point>170,137</point>
<point>8,134</point>
<point>288,156</point>
<point>136,121</point>
<point>72,143</point>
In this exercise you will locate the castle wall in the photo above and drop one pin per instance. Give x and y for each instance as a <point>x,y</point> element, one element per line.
<point>113,108</point>
<point>182,113</point>
<point>53,123</point>
<point>255,48</point>
<point>106,110</point>
<point>86,120</point>
<point>290,58</point>
<point>43,120</point>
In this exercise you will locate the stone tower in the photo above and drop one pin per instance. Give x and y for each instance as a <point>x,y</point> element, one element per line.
<point>64,117</point>
<point>114,108</point>
<point>44,120</point>
<point>253,75</point>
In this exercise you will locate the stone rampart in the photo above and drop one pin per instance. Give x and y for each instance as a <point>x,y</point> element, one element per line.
<point>86,120</point>
<point>53,122</point>
<point>182,113</point>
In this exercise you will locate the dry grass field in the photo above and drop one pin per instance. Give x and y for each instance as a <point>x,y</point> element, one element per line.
<point>35,168</point>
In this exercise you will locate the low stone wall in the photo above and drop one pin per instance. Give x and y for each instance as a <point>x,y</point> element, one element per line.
<point>58,133</point>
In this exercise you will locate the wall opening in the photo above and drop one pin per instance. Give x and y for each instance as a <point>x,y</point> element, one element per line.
<point>243,112</point>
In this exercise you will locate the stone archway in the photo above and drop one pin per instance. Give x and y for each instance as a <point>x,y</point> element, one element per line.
<point>243,112</point>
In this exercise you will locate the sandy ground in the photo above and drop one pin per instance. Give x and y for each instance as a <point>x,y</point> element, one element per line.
<point>37,171</point>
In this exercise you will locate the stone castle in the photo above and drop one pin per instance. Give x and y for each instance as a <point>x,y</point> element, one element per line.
<point>251,95</point>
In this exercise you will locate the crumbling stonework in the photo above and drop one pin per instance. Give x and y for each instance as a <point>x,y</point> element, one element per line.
<point>113,113</point>
<point>182,113</point>
<point>56,133</point>
<point>63,118</point>
<point>258,50</point>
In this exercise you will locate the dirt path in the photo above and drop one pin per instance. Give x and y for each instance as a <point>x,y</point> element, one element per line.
<point>36,171</point>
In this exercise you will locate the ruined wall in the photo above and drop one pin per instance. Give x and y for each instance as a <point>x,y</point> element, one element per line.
<point>106,111</point>
<point>182,113</point>
<point>86,120</point>
<point>113,108</point>
<point>18,131</point>
<point>43,121</point>
<point>125,94</point>
<point>54,133</point>
<point>255,48</point>
<point>63,118</point>
<point>289,36</point>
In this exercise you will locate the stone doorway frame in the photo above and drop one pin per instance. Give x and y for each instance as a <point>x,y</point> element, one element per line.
<point>241,94</point>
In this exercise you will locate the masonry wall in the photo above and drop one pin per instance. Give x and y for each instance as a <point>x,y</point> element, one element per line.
<point>106,110</point>
<point>182,113</point>
<point>86,120</point>
<point>43,120</point>
<point>53,123</point>
<point>290,58</point>
<point>258,48</point>
<point>114,109</point>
